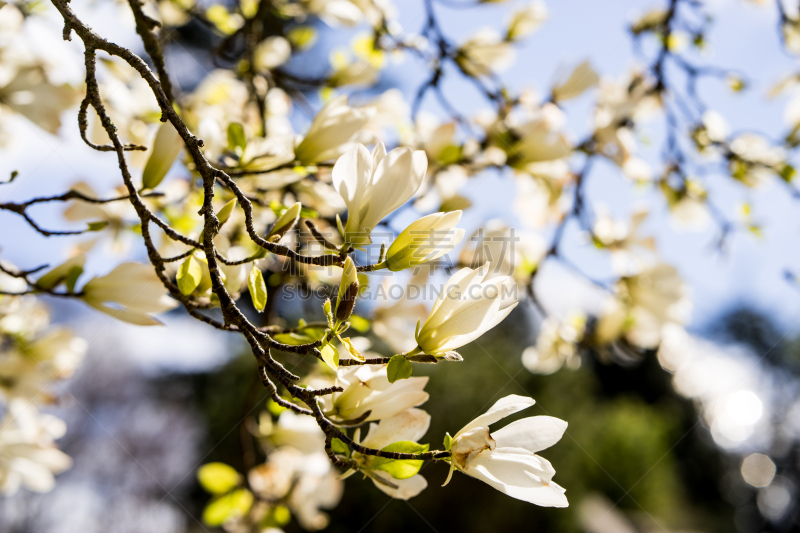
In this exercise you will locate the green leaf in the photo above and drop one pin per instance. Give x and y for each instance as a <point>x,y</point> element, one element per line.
<point>274,407</point>
<point>225,213</point>
<point>292,338</point>
<point>218,478</point>
<point>448,441</point>
<point>166,147</point>
<point>237,141</point>
<point>258,289</point>
<point>450,155</point>
<point>227,507</point>
<point>340,447</point>
<point>59,274</point>
<point>351,349</point>
<point>97,226</point>
<point>72,277</point>
<point>330,355</point>
<point>398,368</point>
<point>281,515</point>
<point>308,213</point>
<point>788,172</point>
<point>190,273</point>
<point>359,323</point>
<point>302,36</point>
<point>400,468</point>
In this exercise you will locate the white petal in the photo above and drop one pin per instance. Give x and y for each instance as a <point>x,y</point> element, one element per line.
<point>533,434</point>
<point>378,153</point>
<point>394,182</point>
<point>406,488</point>
<point>524,477</point>
<point>501,409</point>
<point>351,175</point>
<point>409,425</point>
<point>452,295</point>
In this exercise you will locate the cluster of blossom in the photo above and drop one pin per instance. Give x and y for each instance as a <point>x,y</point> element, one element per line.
<point>216,181</point>
<point>34,357</point>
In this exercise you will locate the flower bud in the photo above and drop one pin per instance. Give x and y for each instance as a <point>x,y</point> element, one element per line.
<point>426,239</point>
<point>347,303</point>
<point>348,291</point>
<point>285,222</point>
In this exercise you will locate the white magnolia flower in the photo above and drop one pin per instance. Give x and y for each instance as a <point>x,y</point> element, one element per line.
<point>620,104</point>
<point>333,131</point>
<point>366,388</point>
<point>28,455</point>
<point>135,291</point>
<point>300,431</point>
<point>374,185</point>
<point>356,73</point>
<point>506,459</point>
<point>425,240</point>
<point>335,12</point>
<point>307,483</point>
<point>630,251</point>
<point>469,305</point>
<point>410,425</point>
<point>543,148</point>
<point>756,159</point>
<point>29,369</point>
<point>272,52</point>
<point>526,20</point>
<point>645,304</point>
<point>485,53</point>
<point>555,346</point>
<point>581,78</point>
<point>391,112</point>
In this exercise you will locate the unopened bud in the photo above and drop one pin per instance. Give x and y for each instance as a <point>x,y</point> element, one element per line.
<point>286,222</point>
<point>347,302</point>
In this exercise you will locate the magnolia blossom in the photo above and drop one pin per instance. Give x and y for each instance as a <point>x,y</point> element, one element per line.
<point>307,483</point>
<point>272,52</point>
<point>332,132</point>
<point>135,290</point>
<point>542,149</point>
<point>581,78</point>
<point>350,12</point>
<point>409,425</point>
<point>485,53</point>
<point>620,104</point>
<point>28,456</point>
<point>374,185</point>
<point>469,305</point>
<point>556,345</point>
<point>29,369</point>
<point>426,239</point>
<point>630,252</point>
<point>367,389</point>
<point>299,431</point>
<point>646,303</point>
<point>506,459</point>
<point>756,159</point>
<point>526,20</point>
